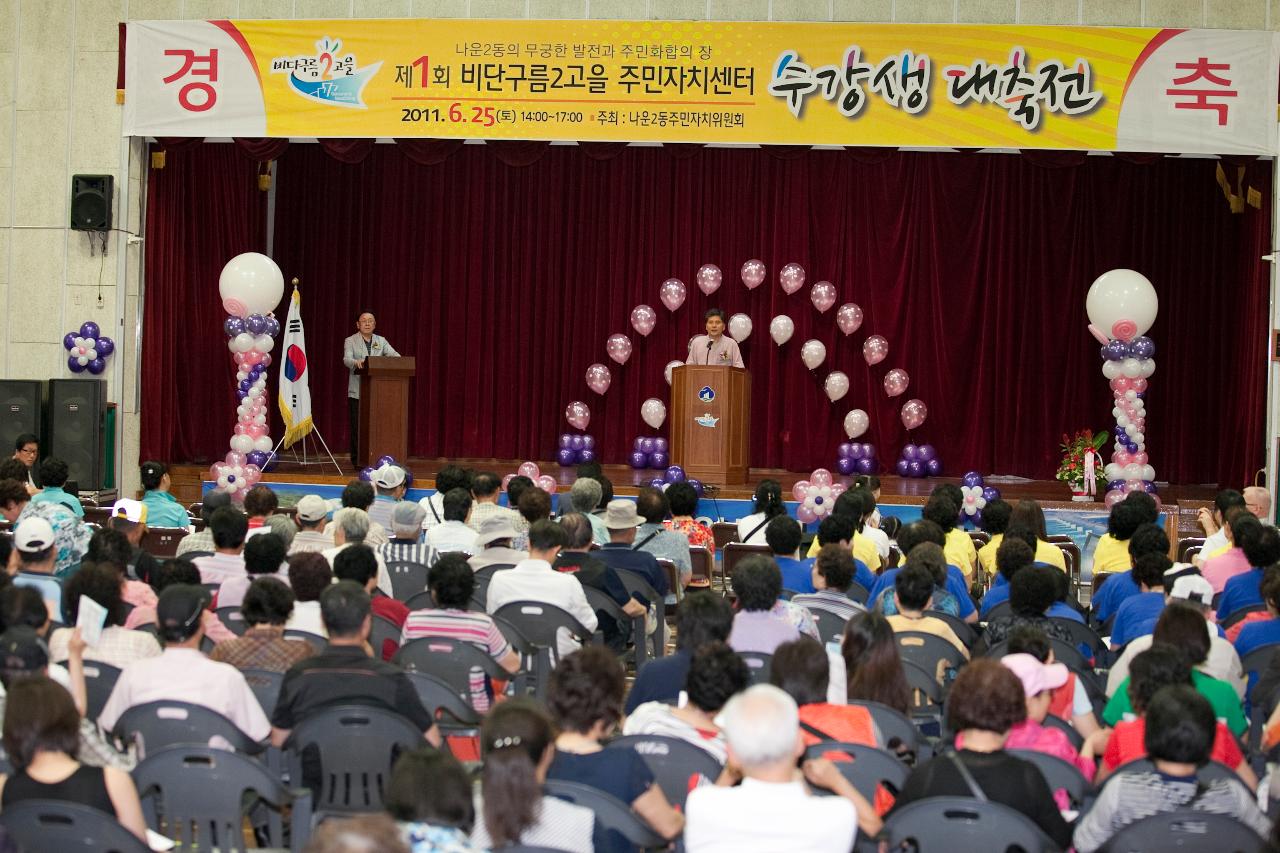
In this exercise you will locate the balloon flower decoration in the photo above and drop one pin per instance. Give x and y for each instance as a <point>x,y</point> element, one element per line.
<point>575,449</point>
<point>531,470</point>
<point>649,452</point>
<point>977,495</point>
<point>675,474</point>
<point>87,349</point>
<point>817,496</point>
<point>368,474</point>
<point>251,285</point>
<point>1122,305</point>
<point>855,458</point>
<point>918,460</point>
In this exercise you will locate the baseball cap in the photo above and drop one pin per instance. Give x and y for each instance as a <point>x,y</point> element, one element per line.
<point>22,650</point>
<point>493,528</point>
<point>388,477</point>
<point>312,508</point>
<point>179,609</point>
<point>1036,677</point>
<point>1193,588</point>
<point>33,536</point>
<point>130,510</point>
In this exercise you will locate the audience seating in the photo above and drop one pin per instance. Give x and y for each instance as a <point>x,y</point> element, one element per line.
<point>1055,722</point>
<point>483,576</point>
<point>383,629</point>
<point>731,553</point>
<point>67,827</point>
<point>601,602</point>
<point>265,685</point>
<point>356,747</point>
<point>724,532</point>
<point>895,726</point>
<point>928,651</point>
<point>421,601</point>
<point>702,563</point>
<point>676,763</point>
<point>451,661</point>
<point>539,622</point>
<point>318,643</point>
<point>964,632</point>
<point>962,825</point>
<point>526,648</point>
<point>155,725</point>
<point>1185,830</point>
<point>1083,635</point>
<point>233,619</point>
<point>191,556</point>
<point>407,578</point>
<point>1238,615</point>
<point>857,592</point>
<point>637,585</point>
<point>453,713</point>
<point>1002,609</point>
<point>927,693</point>
<point>162,542</point>
<point>200,796</point>
<point>760,665</point>
<point>830,625</point>
<point>673,579</point>
<point>99,680</point>
<point>869,768</point>
<point>1210,771</point>
<point>611,813</point>
<point>1060,774</point>
<point>1189,546</point>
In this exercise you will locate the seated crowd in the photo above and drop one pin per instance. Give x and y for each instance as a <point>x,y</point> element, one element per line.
<point>966,669</point>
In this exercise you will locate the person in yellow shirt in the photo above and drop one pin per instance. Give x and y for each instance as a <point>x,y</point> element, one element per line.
<point>945,512</point>
<point>1112,551</point>
<point>1029,514</point>
<point>995,521</point>
<point>913,592</point>
<point>858,505</point>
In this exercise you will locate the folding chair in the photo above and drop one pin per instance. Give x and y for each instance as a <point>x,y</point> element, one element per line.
<point>540,623</point>
<point>155,725</point>
<point>963,825</point>
<point>200,796</point>
<point>676,764</point>
<point>602,603</point>
<point>760,665</point>
<point>1185,830</point>
<point>1060,774</point>
<point>265,685</point>
<point>869,768</point>
<point>65,826</point>
<point>99,681</point>
<point>233,619</point>
<point>611,813</point>
<point>407,578</point>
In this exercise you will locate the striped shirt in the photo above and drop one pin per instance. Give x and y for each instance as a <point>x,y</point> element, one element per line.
<point>834,602</point>
<point>462,625</point>
<point>405,551</point>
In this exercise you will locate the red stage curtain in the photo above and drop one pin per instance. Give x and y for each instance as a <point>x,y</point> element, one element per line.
<point>505,281</point>
<point>203,208</point>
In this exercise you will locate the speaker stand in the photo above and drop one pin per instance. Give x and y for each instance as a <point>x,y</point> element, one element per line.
<point>303,459</point>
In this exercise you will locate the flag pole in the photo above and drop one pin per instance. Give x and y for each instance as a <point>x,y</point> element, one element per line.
<point>294,324</point>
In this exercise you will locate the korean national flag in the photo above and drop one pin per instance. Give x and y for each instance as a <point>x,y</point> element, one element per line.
<point>295,392</point>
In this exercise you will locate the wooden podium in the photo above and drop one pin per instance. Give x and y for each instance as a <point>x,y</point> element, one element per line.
<point>384,409</point>
<point>711,422</point>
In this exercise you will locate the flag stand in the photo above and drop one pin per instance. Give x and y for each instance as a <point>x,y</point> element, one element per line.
<point>315,451</point>
<point>296,411</point>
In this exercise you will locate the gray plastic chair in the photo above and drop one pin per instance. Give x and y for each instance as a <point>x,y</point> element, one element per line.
<point>200,795</point>
<point>421,601</point>
<point>1059,773</point>
<point>99,680</point>
<point>1185,830</point>
<point>155,725</point>
<point>233,619</point>
<point>894,726</point>
<point>759,664</point>
<point>382,630</point>
<point>356,747</point>
<point>927,650</point>
<point>439,697</point>
<point>963,825</point>
<point>964,632</point>
<point>602,603</point>
<point>611,813</point>
<point>870,767</point>
<point>539,623</point>
<point>450,660</point>
<point>318,643</point>
<point>674,763</point>
<point>265,685</point>
<point>407,578</point>
<point>830,624</point>
<point>63,826</point>
<point>637,585</point>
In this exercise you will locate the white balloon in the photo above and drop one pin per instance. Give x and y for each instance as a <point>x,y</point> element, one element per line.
<point>739,327</point>
<point>1148,473</point>
<point>1133,471</point>
<point>1111,369</point>
<point>856,423</point>
<point>1135,437</point>
<point>1131,395</point>
<point>259,419</point>
<point>241,443</point>
<point>262,443</point>
<point>836,385</point>
<point>1148,367</point>
<point>1131,368</point>
<point>1122,421</point>
<point>255,391</point>
<point>781,328</point>
<point>82,360</point>
<point>813,353</point>
<point>263,343</point>
<point>250,283</point>
<point>78,341</point>
<point>242,342</point>
<point>1113,471</point>
<point>671,365</point>
<point>1122,304</point>
<point>90,343</point>
<point>653,412</point>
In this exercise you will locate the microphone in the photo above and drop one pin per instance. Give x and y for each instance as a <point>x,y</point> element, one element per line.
<point>710,343</point>
<point>711,491</point>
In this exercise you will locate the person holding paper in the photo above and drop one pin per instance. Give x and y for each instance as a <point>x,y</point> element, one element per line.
<point>715,347</point>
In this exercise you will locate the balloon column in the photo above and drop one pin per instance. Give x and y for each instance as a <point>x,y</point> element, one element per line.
<point>918,460</point>
<point>1122,305</point>
<point>649,452</point>
<point>575,449</point>
<point>250,285</point>
<point>855,458</point>
<point>817,496</point>
<point>87,349</point>
<point>977,495</point>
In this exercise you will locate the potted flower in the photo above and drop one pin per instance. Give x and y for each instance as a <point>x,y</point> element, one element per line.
<point>1080,459</point>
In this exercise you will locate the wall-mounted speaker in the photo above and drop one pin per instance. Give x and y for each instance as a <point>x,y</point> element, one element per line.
<point>91,202</point>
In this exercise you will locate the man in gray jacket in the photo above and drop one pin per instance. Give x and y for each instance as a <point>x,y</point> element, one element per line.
<point>355,349</point>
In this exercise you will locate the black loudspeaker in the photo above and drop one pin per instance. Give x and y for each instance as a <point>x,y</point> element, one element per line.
<point>91,202</point>
<point>77,408</point>
<point>21,411</point>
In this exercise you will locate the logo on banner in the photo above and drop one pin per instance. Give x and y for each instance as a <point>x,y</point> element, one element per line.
<point>706,420</point>
<point>706,395</point>
<point>330,77</point>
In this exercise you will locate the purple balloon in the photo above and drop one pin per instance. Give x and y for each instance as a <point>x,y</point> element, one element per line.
<point>845,465</point>
<point>911,453</point>
<point>89,329</point>
<point>272,459</point>
<point>657,483</point>
<point>586,454</point>
<point>255,324</point>
<point>660,445</point>
<point>68,340</point>
<point>245,385</point>
<point>1115,485</point>
<point>1150,487</point>
<point>232,326</point>
<point>97,366</point>
<point>576,442</point>
<point>902,467</point>
<point>990,493</point>
<point>565,440</point>
<point>588,442</point>
<point>408,479</point>
<point>273,328</point>
<point>648,445</point>
<point>566,456</point>
<point>868,451</point>
<point>240,395</point>
<point>385,460</point>
<point>637,445</point>
<point>659,460</point>
<point>674,474</point>
<point>855,452</point>
<point>1142,347</point>
<point>976,518</point>
<point>934,467</point>
<point>844,451</point>
<point>915,468</point>
<point>638,459</point>
<point>105,347</point>
<point>973,478</point>
<point>256,457</point>
<point>75,365</point>
<point>1116,351</point>
<point>867,466</point>
<point>366,474</point>
<point>927,452</point>
<point>696,484</point>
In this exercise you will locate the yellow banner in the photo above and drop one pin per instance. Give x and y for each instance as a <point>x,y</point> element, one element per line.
<point>712,82</point>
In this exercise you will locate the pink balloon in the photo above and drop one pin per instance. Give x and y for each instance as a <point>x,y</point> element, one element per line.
<point>849,318</point>
<point>598,378</point>
<point>753,273</point>
<point>242,428</point>
<point>875,349</point>
<point>791,277</point>
<point>820,477</point>
<point>619,347</point>
<point>266,360</point>
<point>896,382</point>
<point>1134,486</point>
<point>256,430</point>
<point>1121,457</point>
<point>234,460</point>
<point>1114,497</point>
<point>672,293</point>
<point>507,479</point>
<point>577,414</point>
<point>800,490</point>
<point>1138,384</point>
<point>913,413</point>
<point>237,357</point>
<point>547,483</point>
<point>252,474</point>
<point>805,515</point>
<point>643,319</point>
<point>530,470</point>
<point>823,296</point>
<point>709,278</point>
<point>1120,383</point>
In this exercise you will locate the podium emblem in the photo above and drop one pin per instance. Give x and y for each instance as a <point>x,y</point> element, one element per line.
<point>706,420</point>
<point>706,395</point>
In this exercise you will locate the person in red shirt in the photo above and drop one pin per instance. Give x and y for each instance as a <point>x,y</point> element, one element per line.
<point>358,563</point>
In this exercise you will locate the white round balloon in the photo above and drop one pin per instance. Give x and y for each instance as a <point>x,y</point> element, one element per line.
<point>1122,304</point>
<point>739,327</point>
<point>781,328</point>
<point>250,283</point>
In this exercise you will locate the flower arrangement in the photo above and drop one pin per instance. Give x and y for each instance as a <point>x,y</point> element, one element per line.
<point>1076,450</point>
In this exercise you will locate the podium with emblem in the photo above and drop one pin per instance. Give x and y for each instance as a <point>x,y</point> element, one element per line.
<point>710,422</point>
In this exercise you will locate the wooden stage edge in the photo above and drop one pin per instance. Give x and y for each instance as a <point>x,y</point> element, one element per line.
<point>626,481</point>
